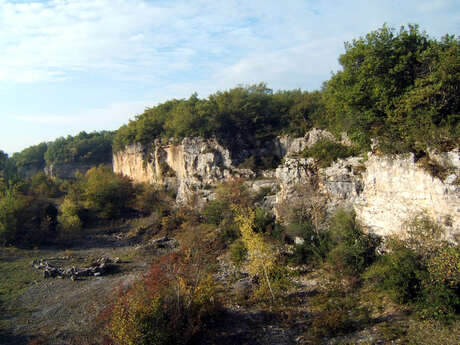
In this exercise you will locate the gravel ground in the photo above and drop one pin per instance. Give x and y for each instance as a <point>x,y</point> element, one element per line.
<point>58,308</point>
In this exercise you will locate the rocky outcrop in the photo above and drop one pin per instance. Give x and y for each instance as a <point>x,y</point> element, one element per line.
<point>67,171</point>
<point>397,188</point>
<point>383,191</point>
<point>195,163</point>
<point>189,165</point>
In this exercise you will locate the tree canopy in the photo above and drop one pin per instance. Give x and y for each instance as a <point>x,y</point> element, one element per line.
<point>85,147</point>
<point>401,87</point>
<point>232,116</point>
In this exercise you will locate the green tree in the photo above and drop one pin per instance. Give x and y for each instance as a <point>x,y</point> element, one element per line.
<point>394,86</point>
<point>106,194</point>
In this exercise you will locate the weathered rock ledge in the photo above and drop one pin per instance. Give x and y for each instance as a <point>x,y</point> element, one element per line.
<point>383,191</point>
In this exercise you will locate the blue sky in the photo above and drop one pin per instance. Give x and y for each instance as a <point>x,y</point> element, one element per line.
<point>72,65</point>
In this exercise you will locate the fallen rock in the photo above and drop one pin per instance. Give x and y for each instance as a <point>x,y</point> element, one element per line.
<point>100,267</point>
<point>162,243</point>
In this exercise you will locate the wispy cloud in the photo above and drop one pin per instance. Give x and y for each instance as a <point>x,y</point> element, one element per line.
<point>70,65</point>
<point>54,39</point>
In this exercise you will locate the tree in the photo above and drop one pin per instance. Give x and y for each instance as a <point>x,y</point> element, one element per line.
<point>107,194</point>
<point>3,160</point>
<point>262,256</point>
<point>394,86</point>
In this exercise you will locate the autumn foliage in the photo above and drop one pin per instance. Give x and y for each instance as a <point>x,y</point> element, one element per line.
<point>168,305</point>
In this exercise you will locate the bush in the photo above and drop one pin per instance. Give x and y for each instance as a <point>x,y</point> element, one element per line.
<point>353,250</point>
<point>214,212</point>
<point>25,221</point>
<point>238,252</point>
<point>263,221</point>
<point>263,258</point>
<point>106,194</point>
<point>68,217</point>
<point>339,313</point>
<point>326,152</point>
<point>150,199</point>
<point>316,243</point>
<point>12,207</point>
<point>421,269</point>
<point>43,186</point>
<point>168,306</point>
<point>398,273</point>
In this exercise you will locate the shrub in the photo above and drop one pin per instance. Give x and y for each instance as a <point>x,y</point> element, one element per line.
<point>353,250</point>
<point>12,208</point>
<point>326,152</point>
<point>238,252</point>
<point>441,287</point>
<point>25,221</point>
<point>398,273</point>
<point>168,306</point>
<point>256,163</point>
<point>149,198</point>
<point>421,269</point>
<point>43,186</point>
<point>214,212</point>
<point>263,220</point>
<point>315,246</point>
<point>263,257</point>
<point>106,194</point>
<point>434,168</point>
<point>338,313</point>
<point>68,217</point>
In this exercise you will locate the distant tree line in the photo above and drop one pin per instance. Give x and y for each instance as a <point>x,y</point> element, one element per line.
<point>85,147</point>
<point>91,148</point>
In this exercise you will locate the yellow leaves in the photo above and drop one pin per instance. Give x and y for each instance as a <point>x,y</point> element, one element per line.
<point>262,255</point>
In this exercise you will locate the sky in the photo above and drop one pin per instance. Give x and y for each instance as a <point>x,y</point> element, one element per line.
<point>73,65</point>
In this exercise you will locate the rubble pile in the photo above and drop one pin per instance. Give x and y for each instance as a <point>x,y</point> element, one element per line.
<point>100,267</point>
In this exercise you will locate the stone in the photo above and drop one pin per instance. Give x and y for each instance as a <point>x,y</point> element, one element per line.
<point>299,241</point>
<point>162,243</point>
<point>383,191</point>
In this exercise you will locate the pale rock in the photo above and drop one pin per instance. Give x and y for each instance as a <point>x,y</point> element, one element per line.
<point>396,189</point>
<point>299,241</point>
<point>383,191</point>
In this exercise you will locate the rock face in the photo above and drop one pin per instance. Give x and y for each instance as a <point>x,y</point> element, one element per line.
<point>189,165</point>
<point>68,170</point>
<point>397,188</point>
<point>383,191</point>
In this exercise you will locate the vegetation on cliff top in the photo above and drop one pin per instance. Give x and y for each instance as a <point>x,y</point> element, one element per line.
<point>400,87</point>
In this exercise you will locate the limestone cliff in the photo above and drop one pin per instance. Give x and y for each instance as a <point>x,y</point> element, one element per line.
<point>395,189</point>
<point>68,170</point>
<point>383,191</point>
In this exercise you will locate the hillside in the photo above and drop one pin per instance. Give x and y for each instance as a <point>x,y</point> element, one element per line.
<point>251,216</point>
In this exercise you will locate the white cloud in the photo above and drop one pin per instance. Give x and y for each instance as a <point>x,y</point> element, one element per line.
<point>163,49</point>
<point>54,39</point>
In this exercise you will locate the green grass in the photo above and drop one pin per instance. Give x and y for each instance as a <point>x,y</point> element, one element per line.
<point>16,272</point>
